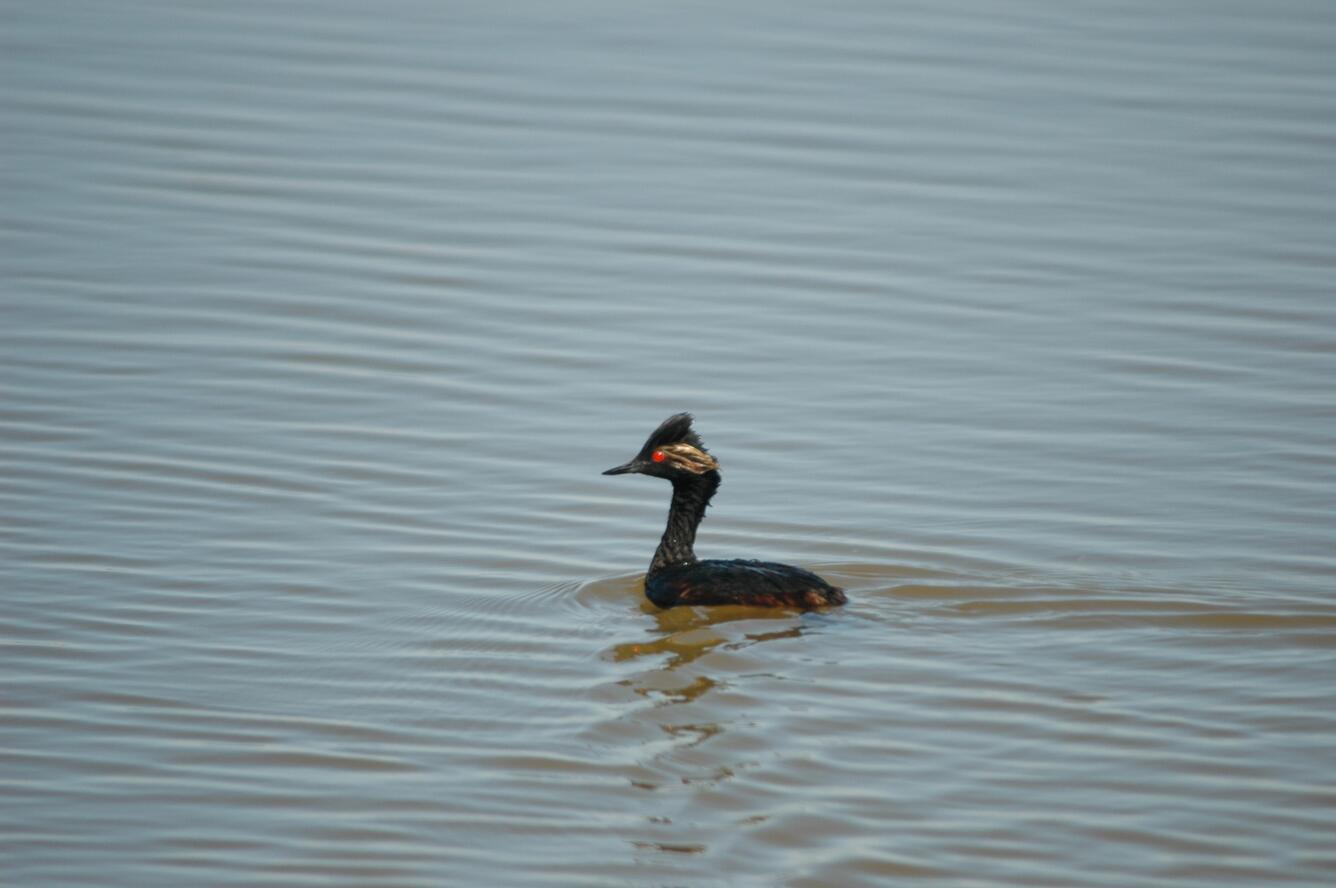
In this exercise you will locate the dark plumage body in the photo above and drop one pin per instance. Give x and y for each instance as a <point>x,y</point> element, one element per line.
<point>676,453</point>
<point>739,581</point>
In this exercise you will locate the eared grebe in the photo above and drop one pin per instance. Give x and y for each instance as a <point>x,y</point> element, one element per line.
<point>677,453</point>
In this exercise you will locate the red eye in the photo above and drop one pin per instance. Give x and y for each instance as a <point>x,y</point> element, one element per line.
<point>657,456</point>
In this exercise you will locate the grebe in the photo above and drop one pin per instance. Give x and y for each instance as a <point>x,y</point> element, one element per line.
<point>675,577</point>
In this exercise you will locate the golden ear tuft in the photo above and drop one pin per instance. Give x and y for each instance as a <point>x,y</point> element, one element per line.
<point>691,459</point>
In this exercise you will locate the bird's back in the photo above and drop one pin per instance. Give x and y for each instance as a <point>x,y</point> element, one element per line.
<point>759,583</point>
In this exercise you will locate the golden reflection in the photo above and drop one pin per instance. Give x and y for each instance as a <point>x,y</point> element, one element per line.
<point>676,619</point>
<point>675,672</point>
<point>688,633</point>
<point>685,647</point>
<point>753,638</point>
<point>654,684</point>
<point>681,636</point>
<point>692,735</point>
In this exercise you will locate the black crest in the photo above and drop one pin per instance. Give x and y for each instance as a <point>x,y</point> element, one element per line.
<point>675,429</point>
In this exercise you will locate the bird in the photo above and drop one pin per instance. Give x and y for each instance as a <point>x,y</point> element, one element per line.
<point>675,452</point>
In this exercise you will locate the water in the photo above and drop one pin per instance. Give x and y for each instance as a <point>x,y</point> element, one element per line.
<point>320,322</point>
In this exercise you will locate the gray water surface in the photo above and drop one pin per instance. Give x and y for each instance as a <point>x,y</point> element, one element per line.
<point>319,321</point>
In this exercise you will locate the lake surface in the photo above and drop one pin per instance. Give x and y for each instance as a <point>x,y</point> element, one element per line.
<point>318,323</point>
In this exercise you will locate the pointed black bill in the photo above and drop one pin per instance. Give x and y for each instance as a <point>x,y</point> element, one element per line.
<point>622,470</point>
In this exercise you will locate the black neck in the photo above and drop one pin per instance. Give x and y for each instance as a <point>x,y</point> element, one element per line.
<point>690,497</point>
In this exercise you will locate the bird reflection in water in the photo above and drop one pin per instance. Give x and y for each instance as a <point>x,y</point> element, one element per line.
<point>687,634</point>
<point>687,715</point>
<point>684,635</point>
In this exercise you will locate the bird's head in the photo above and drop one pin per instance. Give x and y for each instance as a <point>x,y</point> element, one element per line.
<point>672,451</point>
